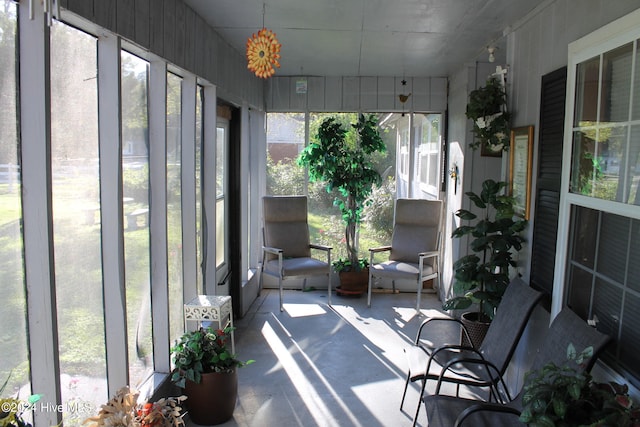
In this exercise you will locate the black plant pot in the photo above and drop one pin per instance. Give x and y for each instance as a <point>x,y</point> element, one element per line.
<point>213,400</point>
<point>476,327</point>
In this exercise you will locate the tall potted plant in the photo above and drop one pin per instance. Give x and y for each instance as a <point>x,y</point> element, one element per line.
<point>206,369</point>
<point>341,158</point>
<point>482,276</point>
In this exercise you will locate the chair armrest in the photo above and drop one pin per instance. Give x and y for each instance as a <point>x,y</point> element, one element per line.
<point>320,247</point>
<point>492,372</point>
<point>275,251</point>
<point>428,254</point>
<point>485,407</point>
<point>380,249</point>
<point>437,319</point>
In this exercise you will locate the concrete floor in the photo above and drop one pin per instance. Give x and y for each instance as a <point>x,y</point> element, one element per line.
<point>319,365</point>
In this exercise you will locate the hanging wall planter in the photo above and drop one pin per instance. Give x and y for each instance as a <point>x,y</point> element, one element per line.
<point>487,108</point>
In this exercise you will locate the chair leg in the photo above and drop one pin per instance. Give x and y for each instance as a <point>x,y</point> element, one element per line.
<point>369,288</point>
<point>280,287</point>
<point>415,418</point>
<point>404,394</point>
<point>419,294</point>
<point>329,287</point>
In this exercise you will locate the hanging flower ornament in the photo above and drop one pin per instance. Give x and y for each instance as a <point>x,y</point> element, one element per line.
<point>263,52</point>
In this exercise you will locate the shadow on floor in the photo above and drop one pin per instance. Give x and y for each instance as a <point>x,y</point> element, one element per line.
<point>320,365</point>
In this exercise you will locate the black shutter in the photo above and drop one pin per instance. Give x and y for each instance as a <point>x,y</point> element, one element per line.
<point>545,230</point>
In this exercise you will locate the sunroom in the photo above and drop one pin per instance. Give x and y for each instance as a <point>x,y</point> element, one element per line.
<point>136,147</point>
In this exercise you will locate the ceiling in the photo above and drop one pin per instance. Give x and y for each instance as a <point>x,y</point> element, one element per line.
<point>370,37</point>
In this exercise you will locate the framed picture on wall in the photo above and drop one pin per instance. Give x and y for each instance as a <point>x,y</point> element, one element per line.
<point>521,158</point>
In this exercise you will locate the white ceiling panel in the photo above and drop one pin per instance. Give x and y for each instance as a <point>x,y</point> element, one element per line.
<point>369,37</point>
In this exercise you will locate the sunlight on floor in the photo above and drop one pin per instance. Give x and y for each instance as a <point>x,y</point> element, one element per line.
<point>304,310</point>
<point>316,406</point>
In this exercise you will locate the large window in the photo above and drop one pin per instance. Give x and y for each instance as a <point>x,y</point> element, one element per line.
<point>76,216</point>
<point>199,142</point>
<point>222,135</point>
<point>600,213</point>
<point>285,140</point>
<point>174,204</point>
<point>135,181</point>
<point>14,362</point>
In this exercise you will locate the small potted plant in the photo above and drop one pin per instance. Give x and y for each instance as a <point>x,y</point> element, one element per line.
<point>565,396</point>
<point>124,410</point>
<point>482,276</point>
<point>341,158</point>
<point>206,369</point>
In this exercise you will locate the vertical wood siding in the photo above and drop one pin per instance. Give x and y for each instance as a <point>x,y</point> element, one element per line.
<point>330,94</point>
<point>173,31</point>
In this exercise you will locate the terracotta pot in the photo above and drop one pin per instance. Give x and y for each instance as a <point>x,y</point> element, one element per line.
<point>213,400</point>
<point>353,282</point>
<point>477,329</point>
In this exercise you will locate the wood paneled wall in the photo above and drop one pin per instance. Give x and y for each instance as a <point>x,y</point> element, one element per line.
<point>331,94</point>
<point>173,31</point>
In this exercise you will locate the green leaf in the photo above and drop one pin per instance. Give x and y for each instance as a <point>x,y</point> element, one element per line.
<point>574,390</point>
<point>571,352</point>
<point>559,408</point>
<point>466,215</point>
<point>457,303</point>
<point>479,202</point>
<point>544,421</point>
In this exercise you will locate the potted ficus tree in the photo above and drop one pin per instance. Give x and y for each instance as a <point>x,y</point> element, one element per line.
<point>341,158</point>
<point>482,276</point>
<point>207,370</point>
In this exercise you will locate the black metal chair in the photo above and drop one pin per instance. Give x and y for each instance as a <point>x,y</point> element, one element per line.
<point>567,328</point>
<point>496,350</point>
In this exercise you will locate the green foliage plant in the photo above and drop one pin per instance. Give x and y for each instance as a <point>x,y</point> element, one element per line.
<point>203,351</point>
<point>563,396</point>
<point>341,158</point>
<point>487,108</point>
<point>483,276</point>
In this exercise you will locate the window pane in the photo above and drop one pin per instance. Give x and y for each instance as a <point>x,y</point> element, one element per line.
<point>633,167</point>
<point>579,285</point>
<point>174,204</point>
<point>585,221</point>
<point>199,139</point>
<point>630,337</point>
<point>612,250</point>
<point>13,345</point>
<point>607,289</point>
<point>607,303</point>
<point>616,84</point>
<point>135,181</point>
<point>220,233</point>
<point>285,140</point>
<point>76,216</point>
<point>586,106</point>
<point>634,256</point>
<point>221,161</point>
<point>636,86</point>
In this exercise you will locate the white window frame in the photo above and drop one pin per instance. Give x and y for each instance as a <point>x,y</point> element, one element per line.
<point>605,39</point>
<point>426,150</point>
